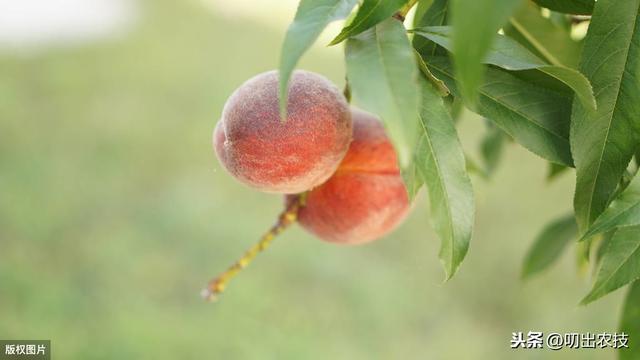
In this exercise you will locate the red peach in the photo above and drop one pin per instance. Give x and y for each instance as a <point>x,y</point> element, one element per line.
<point>289,156</point>
<point>366,198</point>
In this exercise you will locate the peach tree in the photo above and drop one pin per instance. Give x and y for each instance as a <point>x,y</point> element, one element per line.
<point>570,98</point>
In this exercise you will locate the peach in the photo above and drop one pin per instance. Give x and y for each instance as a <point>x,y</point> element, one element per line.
<point>291,156</point>
<point>365,198</point>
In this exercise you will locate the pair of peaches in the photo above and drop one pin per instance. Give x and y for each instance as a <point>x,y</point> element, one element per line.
<point>339,157</point>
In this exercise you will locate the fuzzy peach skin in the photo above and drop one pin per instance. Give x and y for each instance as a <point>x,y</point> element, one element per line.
<point>365,199</point>
<point>293,156</point>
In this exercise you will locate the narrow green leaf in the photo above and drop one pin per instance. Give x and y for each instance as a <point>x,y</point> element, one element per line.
<point>543,37</point>
<point>620,263</point>
<point>491,148</point>
<point>435,16</point>
<point>475,23</point>
<point>371,13</point>
<point>603,142</point>
<point>383,76</point>
<point>421,10</point>
<point>510,55</point>
<point>623,211</point>
<point>548,246</point>
<point>441,163</point>
<point>535,117</point>
<point>579,7</point>
<point>311,18</point>
<point>630,323</point>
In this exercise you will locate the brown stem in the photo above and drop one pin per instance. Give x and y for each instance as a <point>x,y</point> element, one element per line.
<point>402,13</point>
<point>289,216</point>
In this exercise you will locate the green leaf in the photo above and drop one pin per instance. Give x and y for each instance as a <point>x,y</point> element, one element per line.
<point>580,7</point>
<point>383,75</point>
<point>311,18</point>
<point>623,211</point>
<point>603,142</point>
<point>491,148</point>
<point>371,13</point>
<point>475,23</point>
<point>630,323</point>
<point>548,246</point>
<point>510,55</point>
<point>435,16</point>
<point>620,263</point>
<point>421,10</point>
<point>543,37</point>
<point>535,117</point>
<point>440,161</point>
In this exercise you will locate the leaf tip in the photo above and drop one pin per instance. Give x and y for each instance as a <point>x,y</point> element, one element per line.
<point>447,276</point>
<point>586,300</point>
<point>337,40</point>
<point>449,271</point>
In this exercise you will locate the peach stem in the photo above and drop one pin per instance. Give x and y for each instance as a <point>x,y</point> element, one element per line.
<point>289,216</point>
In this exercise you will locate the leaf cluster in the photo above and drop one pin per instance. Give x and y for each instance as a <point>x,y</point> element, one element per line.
<point>571,98</point>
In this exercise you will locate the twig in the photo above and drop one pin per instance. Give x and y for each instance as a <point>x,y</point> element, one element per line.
<point>402,13</point>
<point>289,216</point>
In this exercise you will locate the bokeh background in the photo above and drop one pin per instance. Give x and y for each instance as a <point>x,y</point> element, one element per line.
<point>114,211</point>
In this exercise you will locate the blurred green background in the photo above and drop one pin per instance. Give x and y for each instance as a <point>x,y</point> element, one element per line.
<point>114,212</point>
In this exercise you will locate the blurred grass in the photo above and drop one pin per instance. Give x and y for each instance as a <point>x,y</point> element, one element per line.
<point>114,212</point>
